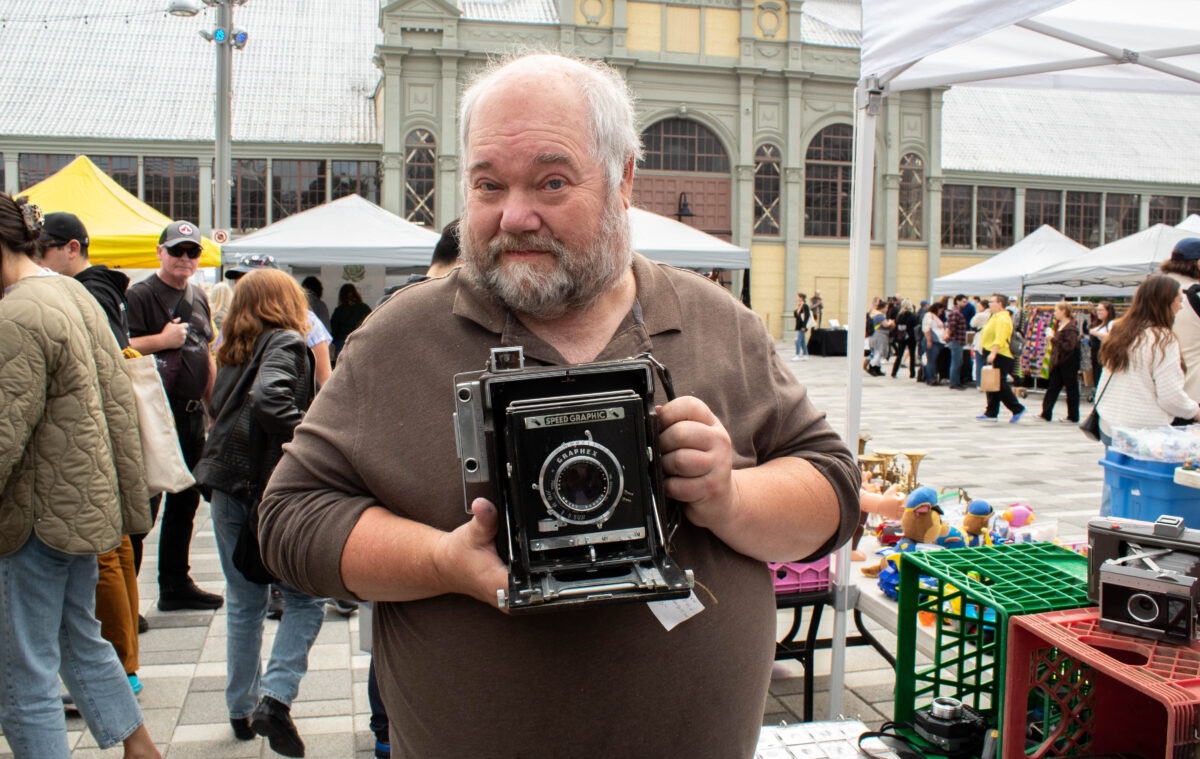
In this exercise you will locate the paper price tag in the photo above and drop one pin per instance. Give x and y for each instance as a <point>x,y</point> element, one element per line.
<point>671,613</point>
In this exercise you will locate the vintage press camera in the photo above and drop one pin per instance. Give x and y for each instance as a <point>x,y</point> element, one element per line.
<point>1145,577</point>
<point>569,455</point>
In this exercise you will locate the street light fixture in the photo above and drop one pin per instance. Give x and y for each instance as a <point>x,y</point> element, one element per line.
<point>227,38</point>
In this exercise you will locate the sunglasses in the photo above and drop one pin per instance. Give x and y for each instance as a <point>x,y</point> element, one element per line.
<point>191,251</point>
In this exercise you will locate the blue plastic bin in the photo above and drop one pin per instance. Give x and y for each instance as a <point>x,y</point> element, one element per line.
<point>1146,490</point>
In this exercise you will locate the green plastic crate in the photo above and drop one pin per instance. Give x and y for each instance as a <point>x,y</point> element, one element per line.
<point>974,593</point>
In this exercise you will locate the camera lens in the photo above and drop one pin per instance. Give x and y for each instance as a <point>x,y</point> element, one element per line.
<point>582,483</point>
<point>1142,607</point>
<point>945,707</point>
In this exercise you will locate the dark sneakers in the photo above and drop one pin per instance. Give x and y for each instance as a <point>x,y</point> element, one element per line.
<point>187,596</point>
<point>273,720</point>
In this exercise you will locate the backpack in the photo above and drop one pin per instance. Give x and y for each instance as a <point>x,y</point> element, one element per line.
<point>1016,342</point>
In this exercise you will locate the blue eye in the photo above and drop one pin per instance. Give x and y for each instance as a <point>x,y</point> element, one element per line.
<point>556,184</point>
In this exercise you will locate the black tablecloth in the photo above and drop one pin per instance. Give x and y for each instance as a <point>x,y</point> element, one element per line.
<point>827,342</point>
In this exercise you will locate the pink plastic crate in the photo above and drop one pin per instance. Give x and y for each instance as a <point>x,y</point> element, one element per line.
<point>794,577</point>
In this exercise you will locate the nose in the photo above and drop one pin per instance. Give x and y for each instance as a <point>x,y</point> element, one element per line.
<point>520,213</point>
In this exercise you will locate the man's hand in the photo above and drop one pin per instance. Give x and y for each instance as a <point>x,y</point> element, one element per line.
<point>697,458</point>
<point>174,334</point>
<point>466,558</point>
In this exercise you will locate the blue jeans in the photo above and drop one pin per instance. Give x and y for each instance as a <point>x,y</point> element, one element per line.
<point>980,360</point>
<point>801,342</point>
<point>43,592</point>
<point>245,609</point>
<point>956,351</point>
<point>931,356</point>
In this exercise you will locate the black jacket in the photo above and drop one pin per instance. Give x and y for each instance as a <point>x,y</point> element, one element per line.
<point>257,406</point>
<point>108,287</point>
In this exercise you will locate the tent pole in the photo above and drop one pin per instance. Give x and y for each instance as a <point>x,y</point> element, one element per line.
<point>1120,55</point>
<point>868,97</point>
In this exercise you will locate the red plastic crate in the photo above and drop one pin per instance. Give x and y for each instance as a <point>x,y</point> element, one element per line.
<point>1099,692</point>
<point>794,577</point>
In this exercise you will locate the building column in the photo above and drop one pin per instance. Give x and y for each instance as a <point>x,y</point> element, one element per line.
<point>206,194</point>
<point>446,192</point>
<point>1143,211</point>
<point>1019,230</point>
<point>934,234</point>
<point>891,232</point>
<point>270,180</point>
<point>141,175</point>
<point>792,187</point>
<point>391,191</point>
<point>12,173</point>
<point>933,205</point>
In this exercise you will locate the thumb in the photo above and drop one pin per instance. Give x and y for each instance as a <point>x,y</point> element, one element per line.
<point>482,529</point>
<point>175,320</point>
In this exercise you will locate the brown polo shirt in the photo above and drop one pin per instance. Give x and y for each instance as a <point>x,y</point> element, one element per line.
<point>462,679</point>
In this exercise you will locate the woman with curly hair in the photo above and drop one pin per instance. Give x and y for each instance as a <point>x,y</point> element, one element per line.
<point>72,482</point>
<point>263,387</point>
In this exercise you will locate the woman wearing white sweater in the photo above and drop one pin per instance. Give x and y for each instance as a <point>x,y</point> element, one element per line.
<point>1141,384</point>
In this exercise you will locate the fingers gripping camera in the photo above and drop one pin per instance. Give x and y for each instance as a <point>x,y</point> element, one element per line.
<point>569,455</point>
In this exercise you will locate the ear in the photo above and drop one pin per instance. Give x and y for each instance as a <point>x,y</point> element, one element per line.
<point>626,187</point>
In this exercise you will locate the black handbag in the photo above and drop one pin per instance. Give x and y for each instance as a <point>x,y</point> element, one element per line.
<point>247,556</point>
<point>1090,426</point>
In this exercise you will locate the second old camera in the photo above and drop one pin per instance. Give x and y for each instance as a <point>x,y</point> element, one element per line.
<point>569,456</point>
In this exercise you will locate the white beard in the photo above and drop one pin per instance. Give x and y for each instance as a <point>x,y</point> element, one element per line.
<point>578,279</point>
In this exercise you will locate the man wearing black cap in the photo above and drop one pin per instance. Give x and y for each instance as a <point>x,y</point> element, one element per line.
<point>64,246</point>
<point>169,318</point>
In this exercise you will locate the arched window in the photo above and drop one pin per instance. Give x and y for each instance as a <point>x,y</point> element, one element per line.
<point>683,145</point>
<point>912,181</point>
<point>827,174</point>
<point>420,176</point>
<point>766,190</point>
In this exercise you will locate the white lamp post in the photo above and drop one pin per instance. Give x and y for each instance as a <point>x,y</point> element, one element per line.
<point>226,38</point>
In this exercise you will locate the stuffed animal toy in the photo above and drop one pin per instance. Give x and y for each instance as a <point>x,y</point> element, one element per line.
<point>1018,515</point>
<point>922,523</point>
<point>975,523</point>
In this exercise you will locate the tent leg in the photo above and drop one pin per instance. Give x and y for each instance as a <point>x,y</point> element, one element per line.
<point>868,97</point>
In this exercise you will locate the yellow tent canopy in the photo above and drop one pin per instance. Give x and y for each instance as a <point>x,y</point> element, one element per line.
<point>123,230</point>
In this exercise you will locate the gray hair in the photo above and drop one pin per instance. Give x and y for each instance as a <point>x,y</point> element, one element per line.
<point>614,135</point>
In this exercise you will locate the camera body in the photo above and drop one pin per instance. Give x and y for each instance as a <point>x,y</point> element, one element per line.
<point>569,455</point>
<point>1146,577</point>
<point>952,726</point>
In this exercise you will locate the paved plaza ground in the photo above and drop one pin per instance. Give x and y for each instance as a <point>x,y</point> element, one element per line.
<point>1051,466</point>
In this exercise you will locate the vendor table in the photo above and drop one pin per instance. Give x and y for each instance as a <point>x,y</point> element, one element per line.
<point>804,651</point>
<point>827,342</point>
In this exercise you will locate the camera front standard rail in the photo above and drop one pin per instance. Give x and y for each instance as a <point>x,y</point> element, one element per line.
<point>569,455</point>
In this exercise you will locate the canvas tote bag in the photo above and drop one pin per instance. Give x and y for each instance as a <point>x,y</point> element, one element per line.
<point>166,470</point>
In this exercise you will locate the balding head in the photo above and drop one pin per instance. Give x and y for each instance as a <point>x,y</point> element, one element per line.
<point>595,90</point>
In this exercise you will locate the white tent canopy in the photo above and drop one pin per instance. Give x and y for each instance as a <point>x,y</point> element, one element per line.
<point>1007,271</point>
<point>347,230</point>
<point>1079,44</point>
<point>1190,224</point>
<point>671,242</point>
<point>1122,263</point>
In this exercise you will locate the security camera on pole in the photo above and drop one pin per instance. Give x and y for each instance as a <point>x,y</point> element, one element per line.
<point>226,38</point>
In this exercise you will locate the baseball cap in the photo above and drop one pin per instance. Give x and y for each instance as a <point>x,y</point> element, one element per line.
<point>180,231</point>
<point>1188,248</point>
<point>61,227</point>
<point>247,264</point>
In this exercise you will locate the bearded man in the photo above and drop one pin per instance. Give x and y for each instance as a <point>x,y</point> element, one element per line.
<point>367,501</point>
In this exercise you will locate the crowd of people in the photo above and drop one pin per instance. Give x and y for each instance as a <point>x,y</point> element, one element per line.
<point>952,340</point>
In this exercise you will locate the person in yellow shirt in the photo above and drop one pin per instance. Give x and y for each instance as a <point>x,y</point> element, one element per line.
<point>996,334</point>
